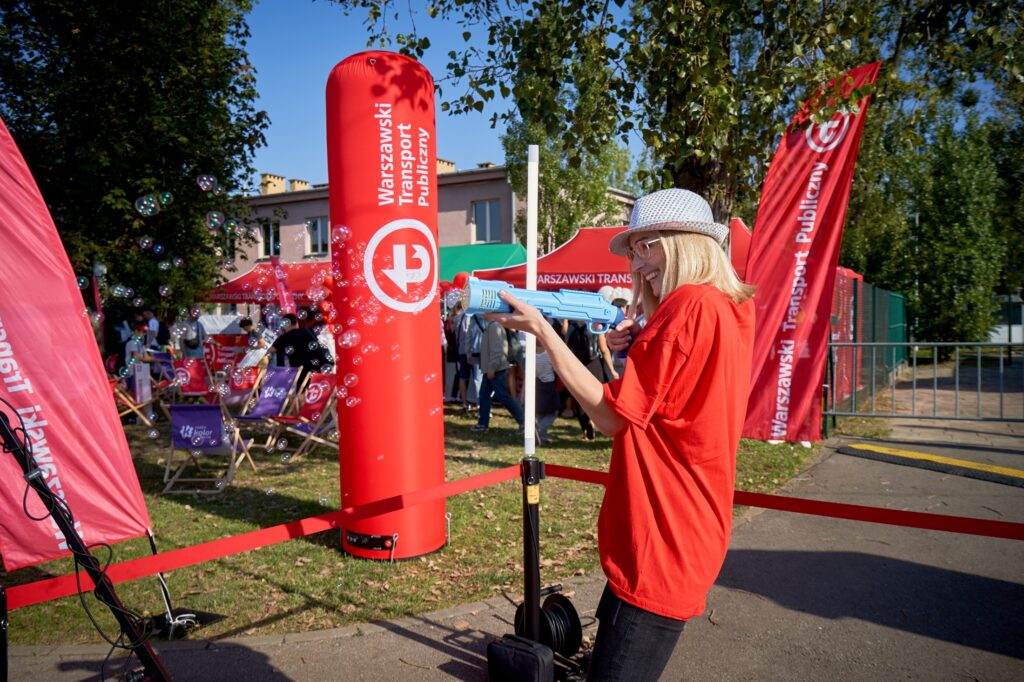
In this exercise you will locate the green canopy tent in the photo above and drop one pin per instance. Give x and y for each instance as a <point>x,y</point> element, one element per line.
<point>456,259</point>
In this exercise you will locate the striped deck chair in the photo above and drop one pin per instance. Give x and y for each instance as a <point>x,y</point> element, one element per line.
<point>243,383</point>
<point>274,398</point>
<point>317,419</point>
<point>203,432</point>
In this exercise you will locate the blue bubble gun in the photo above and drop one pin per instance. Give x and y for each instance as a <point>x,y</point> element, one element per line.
<point>481,296</point>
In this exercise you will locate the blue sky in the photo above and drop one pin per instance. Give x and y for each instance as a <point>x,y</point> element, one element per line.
<point>294,46</point>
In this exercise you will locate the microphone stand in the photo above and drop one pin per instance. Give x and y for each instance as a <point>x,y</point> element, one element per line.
<point>153,669</point>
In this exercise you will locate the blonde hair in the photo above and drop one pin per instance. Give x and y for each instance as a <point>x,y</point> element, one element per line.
<point>691,258</point>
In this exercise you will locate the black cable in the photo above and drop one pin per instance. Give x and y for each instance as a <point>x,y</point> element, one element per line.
<point>56,504</point>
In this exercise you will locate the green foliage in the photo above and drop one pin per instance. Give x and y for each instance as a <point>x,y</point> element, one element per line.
<point>573,184</point>
<point>112,101</point>
<point>958,253</point>
<point>707,86</point>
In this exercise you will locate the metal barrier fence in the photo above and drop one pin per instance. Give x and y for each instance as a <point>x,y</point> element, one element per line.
<point>938,380</point>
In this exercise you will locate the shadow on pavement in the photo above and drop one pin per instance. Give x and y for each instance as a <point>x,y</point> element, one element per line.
<point>952,606</point>
<point>230,662</point>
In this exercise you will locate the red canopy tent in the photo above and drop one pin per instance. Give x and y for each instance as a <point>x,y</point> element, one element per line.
<point>306,281</point>
<point>583,263</point>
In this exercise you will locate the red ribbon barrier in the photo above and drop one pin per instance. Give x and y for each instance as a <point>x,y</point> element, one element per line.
<point>63,586</point>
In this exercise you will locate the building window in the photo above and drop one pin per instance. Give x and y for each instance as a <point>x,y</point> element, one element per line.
<point>487,217</point>
<point>270,239</point>
<point>318,233</point>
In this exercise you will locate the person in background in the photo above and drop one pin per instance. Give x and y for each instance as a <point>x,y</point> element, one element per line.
<point>547,401</point>
<point>675,415</point>
<point>494,365</point>
<point>193,336</point>
<point>473,327</point>
<point>452,352</point>
<point>254,339</point>
<point>298,347</point>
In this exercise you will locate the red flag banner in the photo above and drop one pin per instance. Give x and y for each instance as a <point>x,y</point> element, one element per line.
<point>52,375</point>
<point>284,294</point>
<point>793,260</point>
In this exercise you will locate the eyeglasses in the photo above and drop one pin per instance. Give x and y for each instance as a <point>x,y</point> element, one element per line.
<point>642,250</point>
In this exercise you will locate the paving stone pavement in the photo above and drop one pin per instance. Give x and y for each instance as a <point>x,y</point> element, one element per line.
<point>799,597</point>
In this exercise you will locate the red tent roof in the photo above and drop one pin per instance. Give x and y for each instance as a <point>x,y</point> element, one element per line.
<point>583,263</point>
<point>260,286</point>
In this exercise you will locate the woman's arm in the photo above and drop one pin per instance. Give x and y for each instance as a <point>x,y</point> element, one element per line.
<point>583,386</point>
<point>606,357</point>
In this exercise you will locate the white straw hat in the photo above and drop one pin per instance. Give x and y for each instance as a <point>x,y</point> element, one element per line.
<point>667,210</point>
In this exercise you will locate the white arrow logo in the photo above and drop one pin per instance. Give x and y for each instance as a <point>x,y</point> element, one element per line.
<point>401,275</point>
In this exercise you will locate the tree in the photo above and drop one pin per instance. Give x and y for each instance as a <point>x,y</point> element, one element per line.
<point>114,101</point>
<point>573,185</point>
<point>958,255</point>
<point>707,85</point>
<point>569,196</point>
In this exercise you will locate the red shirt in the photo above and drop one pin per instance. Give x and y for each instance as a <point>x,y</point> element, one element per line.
<point>667,512</point>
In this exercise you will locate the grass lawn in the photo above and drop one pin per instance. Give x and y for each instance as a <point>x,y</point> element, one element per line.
<point>309,584</point>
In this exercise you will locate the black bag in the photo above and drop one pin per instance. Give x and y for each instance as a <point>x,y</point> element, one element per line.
<point>517,659</point>
<point>515,347</point>
<point>581,342</point>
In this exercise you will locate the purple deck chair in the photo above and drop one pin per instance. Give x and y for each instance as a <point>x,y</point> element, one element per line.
<point>205,433</point>
<point>274,398</point>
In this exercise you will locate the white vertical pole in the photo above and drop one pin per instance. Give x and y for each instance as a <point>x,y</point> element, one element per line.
<point>529,388</point>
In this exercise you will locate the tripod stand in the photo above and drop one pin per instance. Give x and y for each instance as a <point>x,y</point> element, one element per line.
<point>57,509</point>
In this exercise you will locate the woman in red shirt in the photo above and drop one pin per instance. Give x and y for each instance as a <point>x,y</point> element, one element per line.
<point>675,415</point>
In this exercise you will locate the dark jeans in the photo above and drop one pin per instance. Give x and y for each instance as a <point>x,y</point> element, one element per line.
<point>632,644</point>
<point>499,387</point>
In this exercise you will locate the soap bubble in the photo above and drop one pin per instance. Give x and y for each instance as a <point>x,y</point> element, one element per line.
<point>350,380</point>
<point>158,249</point>
<point>138,302</point>
<point>83,281</point>
<point>145,242</point>
<point>153,433</point>
<point>285,457</point>
<point>164,265</point>
<point>214,219</point>
<point>99,269</point>
<point>178,262</point>
<point>324,501</point>
<point>206,182</point>
<point>349,338</point>
<point>147,205</point>
<point>352,401</point>
<point>282,444</point>
<point>164,290</point>
<point>166,198</point>
<point>340,233</point>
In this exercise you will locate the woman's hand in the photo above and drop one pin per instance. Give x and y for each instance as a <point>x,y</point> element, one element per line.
<point>620,338</point>
<point>523,317</point>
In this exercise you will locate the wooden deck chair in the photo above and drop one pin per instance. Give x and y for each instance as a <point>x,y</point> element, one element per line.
<point>127,404</point>
<point>193,381</point>
<point>274,398</point>
<point>316,421</point>
<point>243,383</point>
<point>204,432</point>
<point>163,365</point>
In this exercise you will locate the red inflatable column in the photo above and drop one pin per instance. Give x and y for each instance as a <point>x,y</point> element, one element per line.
<point>382,164</point>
